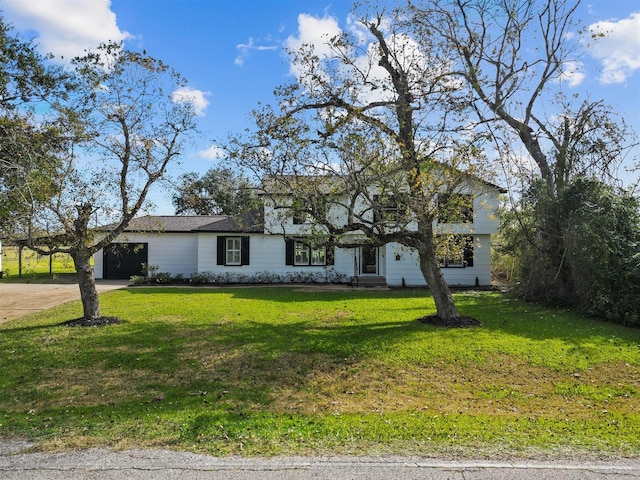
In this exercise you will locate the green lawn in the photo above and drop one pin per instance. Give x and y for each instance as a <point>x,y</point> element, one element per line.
<point>285,370</point>
<point>33,264</point>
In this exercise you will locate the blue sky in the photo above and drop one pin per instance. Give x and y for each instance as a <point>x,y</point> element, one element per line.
<point>232,52</point>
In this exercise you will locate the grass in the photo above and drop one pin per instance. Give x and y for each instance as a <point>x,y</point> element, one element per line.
<point>34,266</point>
<point>285,370</point>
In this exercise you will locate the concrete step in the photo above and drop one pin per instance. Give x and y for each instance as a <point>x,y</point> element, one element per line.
<point>369,281</point>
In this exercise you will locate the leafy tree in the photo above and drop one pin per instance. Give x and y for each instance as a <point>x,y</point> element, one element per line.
<point>28,145</point>
<point>220,191</point>
<point>122,130</point>
<point>365,142</point>
<point>600,227</point>
<point>515,56</point>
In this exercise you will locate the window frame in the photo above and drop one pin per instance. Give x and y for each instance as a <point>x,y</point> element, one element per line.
<point>466,211</point>
<point>465,253</point>
<point>223,250</point>
<point>302,253</point>
<point>233,251</point>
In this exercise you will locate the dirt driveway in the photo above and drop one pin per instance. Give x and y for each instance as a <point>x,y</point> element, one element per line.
<point>20,299</point>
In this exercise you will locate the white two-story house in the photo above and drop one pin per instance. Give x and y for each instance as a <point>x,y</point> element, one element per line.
<point>275,245</point>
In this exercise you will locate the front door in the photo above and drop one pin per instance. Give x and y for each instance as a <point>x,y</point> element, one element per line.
<point>368,260</point>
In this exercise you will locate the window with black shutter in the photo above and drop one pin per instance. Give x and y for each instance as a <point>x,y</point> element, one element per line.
<point>233,250</point>
<point>300,252</point>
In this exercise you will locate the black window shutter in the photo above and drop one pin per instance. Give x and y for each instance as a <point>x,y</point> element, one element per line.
<point>468,251</point>
<point>288,251</point>
<point>244,252</point>
<point>221,250</point>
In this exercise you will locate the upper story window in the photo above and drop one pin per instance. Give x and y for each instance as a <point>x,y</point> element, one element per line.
<point>455,208</point>
<point>301,218</point>
<point>388,209</point>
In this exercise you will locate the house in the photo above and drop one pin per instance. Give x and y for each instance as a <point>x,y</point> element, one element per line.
<point>270,246</point>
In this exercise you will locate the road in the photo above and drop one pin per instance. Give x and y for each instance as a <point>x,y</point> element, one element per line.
<point>16,463</point>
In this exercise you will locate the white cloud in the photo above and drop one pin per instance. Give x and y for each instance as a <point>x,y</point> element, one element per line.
<point>618,48</point>
<point>246,49</point>
<point>212,153</point>
<point>313,31</point>
<point>66,28</point>
<point>194,96</point>
<point>317,32</point>
<point>572,74</point>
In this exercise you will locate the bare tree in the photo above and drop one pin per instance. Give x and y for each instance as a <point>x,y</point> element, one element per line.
<point>122,130</point>
<point>516,58</point>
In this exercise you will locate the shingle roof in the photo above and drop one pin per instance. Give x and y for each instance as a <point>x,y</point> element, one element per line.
<point>171,223</point>
<point>203,223</point>
<point>250,222</point>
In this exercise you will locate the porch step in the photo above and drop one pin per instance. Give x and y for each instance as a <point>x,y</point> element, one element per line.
<point>369,281</point>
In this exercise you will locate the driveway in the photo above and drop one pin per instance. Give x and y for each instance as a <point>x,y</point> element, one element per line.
<point>20,299</point>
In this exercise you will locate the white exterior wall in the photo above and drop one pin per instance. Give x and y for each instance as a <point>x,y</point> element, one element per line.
<point>189,252</point>
<point>174,253</point>
<point>408,268</point>
<point>267,253</point>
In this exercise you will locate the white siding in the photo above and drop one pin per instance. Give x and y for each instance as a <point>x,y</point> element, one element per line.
<point>408,268</point>
<point>267,253</point>
<point>174,253</point>
<point>189,252</point>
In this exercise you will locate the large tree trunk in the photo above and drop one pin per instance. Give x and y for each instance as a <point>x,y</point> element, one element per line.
<point>445,307</point>
<point>446,311</point>
<point>87,284</point>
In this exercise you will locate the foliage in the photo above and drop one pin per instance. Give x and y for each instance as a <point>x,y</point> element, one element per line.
<point>600,229</point>
<point>122,129</point>
<point>226,278</point>
<point>220,191</point>
<point>30,145</point>
<point>364,141</point>
<point>513,58</point>
<point>296,371</point>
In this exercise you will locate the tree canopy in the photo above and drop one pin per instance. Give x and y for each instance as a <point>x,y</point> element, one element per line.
<point>29,144</point>
<point>219,191</point>
<point>116,132</point>
<point>514,57</point>
<point>366,129</point>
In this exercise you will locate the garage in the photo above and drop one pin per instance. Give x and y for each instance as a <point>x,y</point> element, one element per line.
<point>123,260</point>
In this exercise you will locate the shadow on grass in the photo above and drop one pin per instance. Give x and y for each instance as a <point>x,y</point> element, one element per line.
<point>224,379</point>
<point>193,380</point>
<point>497,311</point>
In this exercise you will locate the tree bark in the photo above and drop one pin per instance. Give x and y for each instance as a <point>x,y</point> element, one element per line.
<point>87,284</point>
<point>445,306</point>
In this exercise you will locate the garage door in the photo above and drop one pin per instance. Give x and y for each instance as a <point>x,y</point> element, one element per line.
<point>123,260</point>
